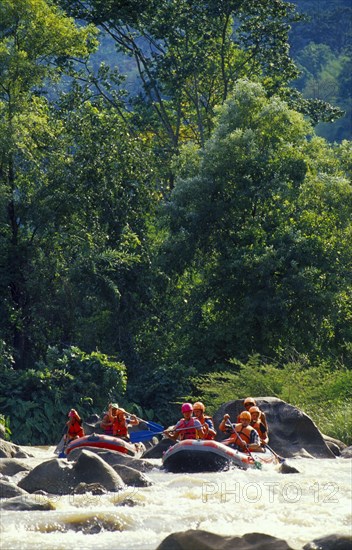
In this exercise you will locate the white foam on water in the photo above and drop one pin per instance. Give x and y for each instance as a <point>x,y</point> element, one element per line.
<point>295,507</point>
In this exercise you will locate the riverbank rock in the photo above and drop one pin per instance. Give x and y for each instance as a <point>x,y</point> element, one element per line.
<point>203,540</point>
<point>347,453</point>
<point>113,458</point>
<point>335,445</point>
<point>159,449</point>
<point>132,477</point>
<point>292,433</point>
<point>331,542</point>
<point>9,490</point>
<point>10,450</point>
<point>59,477</point>
<point>27,503</point>
<point>11,466</point>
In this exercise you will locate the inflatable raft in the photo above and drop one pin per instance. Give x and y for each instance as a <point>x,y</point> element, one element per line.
<point>107,442</point>
<point>197,455</point>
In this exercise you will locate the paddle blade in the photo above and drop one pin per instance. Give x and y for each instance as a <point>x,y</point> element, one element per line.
<point>137,437</point>
<point>154,426</point>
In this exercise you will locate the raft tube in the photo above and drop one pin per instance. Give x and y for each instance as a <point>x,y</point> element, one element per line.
<point>107,442</point>
<point>198,455</point>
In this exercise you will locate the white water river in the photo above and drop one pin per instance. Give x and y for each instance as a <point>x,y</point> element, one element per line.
<point>295,507</point>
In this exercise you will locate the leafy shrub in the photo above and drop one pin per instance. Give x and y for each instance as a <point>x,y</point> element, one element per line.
<point>37,400</point>
<point>5,431</point>
<point>323,392</point>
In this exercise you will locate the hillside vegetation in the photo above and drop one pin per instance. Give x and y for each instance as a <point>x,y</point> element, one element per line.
<point>175,208</point>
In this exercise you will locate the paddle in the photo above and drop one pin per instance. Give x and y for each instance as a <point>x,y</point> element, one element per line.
<point>136,437</point>
<point>257,464</point>
<point>62,444</point>
<point>281,459</point>
<point>153,425</point>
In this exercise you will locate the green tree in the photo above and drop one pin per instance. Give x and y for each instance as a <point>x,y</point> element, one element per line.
<point>189,55</point>
<point>35,41</point>
<point>261,234</point>
<point>94,218</point>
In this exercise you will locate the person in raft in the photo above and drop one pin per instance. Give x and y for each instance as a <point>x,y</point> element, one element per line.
<point>259,426</point>
<point>209,431</point>
<point>187,427</point>
<point>250,402</point>
<point>108,419</point>
<point>121,424</point>
<point>242,437</point>
<point>74,426</point>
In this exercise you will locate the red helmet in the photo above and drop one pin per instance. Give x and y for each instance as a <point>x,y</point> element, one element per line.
<point>199,405</point>
<point>74,414</point>
<point>187,407</point>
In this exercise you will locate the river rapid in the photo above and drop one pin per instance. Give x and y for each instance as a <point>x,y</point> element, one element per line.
<point>295,507</point>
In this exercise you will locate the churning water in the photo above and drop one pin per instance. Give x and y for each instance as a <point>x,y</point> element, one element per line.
<point>295,507</point>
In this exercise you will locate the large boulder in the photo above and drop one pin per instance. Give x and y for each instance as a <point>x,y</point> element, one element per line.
<point>11,466</point>
<point>347,453</point>
<point>292,433</point>
<point>92,426</point>
<point>203,540</point>
<point>113,458</point>
<point>7,449</point>
<point>9,490</point>
<point>27,503</point>
<point>330,542</point>
<point>335,445</point>
<point>60,477</point>
<point>159,449</point>
<point>132,477</point>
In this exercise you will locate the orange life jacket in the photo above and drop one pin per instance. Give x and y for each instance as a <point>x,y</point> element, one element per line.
<point>120,428</point>
<point>203,421</point>
<point>191,432</point>
<point>107,429</point>
<point>243,433</point>
<point>75,429</point>
<point>261,430</point>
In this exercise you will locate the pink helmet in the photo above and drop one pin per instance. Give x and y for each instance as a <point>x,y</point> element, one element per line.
<point>186,407</point>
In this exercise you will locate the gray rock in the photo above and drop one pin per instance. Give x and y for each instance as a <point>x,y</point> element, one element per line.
<point>159,449</point>
<point>10,450</point>
<point>132,477</point>
<point>113,458</point>
<point>93,427</point>
<point>347,453</point>
<point>203,540</point>
<point>60,477</point>
<point>94,488</point>
<point>335,445</point>
<point>291,431</point>
<point>23,454</point>
<point>27,503</point>
<point>11,466</point>
<point>9,490</point>
<point>7,449</point>
<point>285,468</point>
<point>331,542</point>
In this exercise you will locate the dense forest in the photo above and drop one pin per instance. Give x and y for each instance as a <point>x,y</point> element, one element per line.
<point>175,208</point>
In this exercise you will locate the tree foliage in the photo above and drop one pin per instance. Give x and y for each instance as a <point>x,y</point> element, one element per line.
<point>189,55</point>
<point>176,231</point>
<point>37,400</point>
<point>261,234</point>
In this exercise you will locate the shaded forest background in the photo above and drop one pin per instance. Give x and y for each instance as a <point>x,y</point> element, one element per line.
<point>175,208</point>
